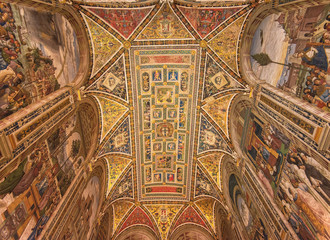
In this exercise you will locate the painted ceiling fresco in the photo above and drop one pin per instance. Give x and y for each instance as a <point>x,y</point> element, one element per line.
<point>164,81</point>
<point>166,84</point>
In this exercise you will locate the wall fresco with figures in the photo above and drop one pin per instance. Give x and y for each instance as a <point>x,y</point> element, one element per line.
<point>300,40</point>
<point>64,145</point>
<point>247,211</point>
<point>80,224</point>
<point>295,178</point>
<point>90,202</point>
<point>31,192</point>
<point>303,195</point>
<point>39,54</point>
<point>267,148</point>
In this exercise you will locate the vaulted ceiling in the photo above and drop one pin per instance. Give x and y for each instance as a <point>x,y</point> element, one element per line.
<point>164,76</point>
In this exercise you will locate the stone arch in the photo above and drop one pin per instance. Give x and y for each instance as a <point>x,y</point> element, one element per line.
<point>255,18</point>
<point>104,228</point>
<point>90,123</point>
<point>137,233</point>
<point>106,215</point>
<point>225,227</point>
<point>85,193</point>
<point>239,114</point>
<point>244,213</point>
<point>228,168</point>
<point>190,232</point>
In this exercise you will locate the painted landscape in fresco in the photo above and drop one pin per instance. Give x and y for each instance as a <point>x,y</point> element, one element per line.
<point>89,201</point>
<point>39,54</point>
<point>31,192</point>
<point>80,224</point>
<point>300,39</point>
<point>64,146</point>
<point>254,226</point>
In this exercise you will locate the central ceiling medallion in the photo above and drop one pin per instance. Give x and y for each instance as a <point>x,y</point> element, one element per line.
<point>165,85</point>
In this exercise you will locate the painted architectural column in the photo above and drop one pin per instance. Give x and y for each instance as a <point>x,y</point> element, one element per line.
<point>85,193</point>
<point>276,222</point>
<point>22,130</point>
<point>300,120</point>
<point>285,161</point>
<point>46,180</point>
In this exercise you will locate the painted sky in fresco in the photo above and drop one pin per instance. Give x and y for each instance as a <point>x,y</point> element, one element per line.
<point>269,38</point>
<point>55,37</point>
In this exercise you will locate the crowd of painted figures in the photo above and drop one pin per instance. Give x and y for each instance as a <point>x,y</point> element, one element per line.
<point>317,89</point>
<point>30,190</point>
<point>30,193</point>
<point>293,177</point>
<point>304,192</point>
<point>300,39</point>
<point>26,75</point>
<point>314,57</point>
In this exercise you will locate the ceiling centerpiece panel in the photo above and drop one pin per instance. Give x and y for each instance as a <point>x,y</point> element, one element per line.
<point>165,101</point>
